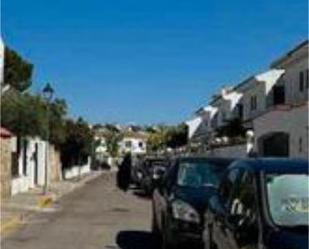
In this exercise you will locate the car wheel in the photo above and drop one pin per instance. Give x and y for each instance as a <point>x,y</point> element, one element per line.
<point>208,243</point>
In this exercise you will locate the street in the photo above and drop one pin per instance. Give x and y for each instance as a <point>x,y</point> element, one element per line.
<point>96,216</point>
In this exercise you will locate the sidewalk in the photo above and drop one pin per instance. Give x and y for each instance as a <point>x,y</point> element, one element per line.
<point>18,208</point>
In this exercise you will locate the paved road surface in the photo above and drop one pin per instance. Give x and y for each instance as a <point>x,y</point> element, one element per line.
<point>97,216</point>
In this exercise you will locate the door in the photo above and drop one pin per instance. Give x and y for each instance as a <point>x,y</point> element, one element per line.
<point>241,223</point>
<point>275,145</point>
<point>36,163</point>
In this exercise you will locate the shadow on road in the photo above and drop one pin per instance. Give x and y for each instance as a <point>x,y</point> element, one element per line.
<point>141,194</point>
<point>137,240</point>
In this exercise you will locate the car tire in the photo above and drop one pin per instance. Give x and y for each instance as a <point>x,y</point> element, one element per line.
<point>208,243</point>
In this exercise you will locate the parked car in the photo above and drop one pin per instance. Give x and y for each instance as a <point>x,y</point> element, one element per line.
<point>136,170</point>
<point>261,203</point>
<point>181,199</point>
<point>152,169</point>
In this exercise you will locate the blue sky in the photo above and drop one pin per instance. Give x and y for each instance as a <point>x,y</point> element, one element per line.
<point>148,61</point>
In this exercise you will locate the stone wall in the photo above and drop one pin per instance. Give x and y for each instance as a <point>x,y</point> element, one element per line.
<point>5,167</point>
<point>55,172</point>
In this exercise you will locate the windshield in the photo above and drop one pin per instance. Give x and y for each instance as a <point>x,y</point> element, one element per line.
<point>198,174</point>
<point>288,199</point>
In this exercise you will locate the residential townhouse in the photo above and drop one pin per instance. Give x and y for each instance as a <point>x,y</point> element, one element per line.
<point>272,106</point>
<point>283,129</point>
<point>134,143</point>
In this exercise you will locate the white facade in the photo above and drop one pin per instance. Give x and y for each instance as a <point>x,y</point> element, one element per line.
<point>256,93</point>
<point>285,120</point>
<point>273,104</point>
<point>31,165</point>
<point>225,105</point>
<point>296,78</point>
<point>133,145</point>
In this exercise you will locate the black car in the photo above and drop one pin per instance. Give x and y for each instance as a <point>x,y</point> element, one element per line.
<point>181,199</point>
<point>261,203</point>
<point>152,168</point>
<point>136,169</point>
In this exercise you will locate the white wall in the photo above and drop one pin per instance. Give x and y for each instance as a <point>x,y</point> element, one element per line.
<point>24,182</point>
<point>235,151</point>
<point>76,171</point>
<point>135,148</point>
<point>292,121</point>
<point>294,64</point>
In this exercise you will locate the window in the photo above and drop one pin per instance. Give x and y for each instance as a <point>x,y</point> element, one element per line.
<point>279,95</point>
<point>243,199</point>
<point>300,145</point>
<point>198,174</point>
<point>141,145</point>
<point>307,78</point>
<point>229,182</point>
<point>240,111</point>
<point>128,144</point>
<point>301,81</point>
<point>253,103</point>
<point>288,201</point>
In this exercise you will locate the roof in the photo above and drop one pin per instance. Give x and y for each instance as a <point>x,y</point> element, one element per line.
<point>289,53</point>
<point>136,135</point>
<point>194,124</point>
<point>275,165</point>
<point>5,133</point>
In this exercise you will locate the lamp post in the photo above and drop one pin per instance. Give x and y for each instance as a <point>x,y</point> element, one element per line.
<point>48,93</point>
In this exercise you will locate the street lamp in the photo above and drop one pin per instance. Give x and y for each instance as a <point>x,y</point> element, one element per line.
<point>48,93</point>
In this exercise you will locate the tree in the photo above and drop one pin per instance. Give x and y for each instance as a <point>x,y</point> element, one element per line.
<point>17,71</point>
<point>24,114</point>
<point>113,137</point>
<point>57,115</point>
<point>167,137</point>
<point>177,136</point>
<point>233,128</point>
<point>78,144</point>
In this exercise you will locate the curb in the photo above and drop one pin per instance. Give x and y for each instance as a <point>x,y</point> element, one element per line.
<point>11,225</point>
<point>43,202</point>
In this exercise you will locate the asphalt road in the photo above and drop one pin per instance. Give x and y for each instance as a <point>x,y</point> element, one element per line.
<point>96,216</point>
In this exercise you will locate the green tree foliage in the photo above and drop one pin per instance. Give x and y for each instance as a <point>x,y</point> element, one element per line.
<point>177,136</point>
<point>17,71</point>
<point>24,115</point>
<point>78,144</point>
<point>113,137</point>
<point>57,115</point>
<point>167,137</point>
<point>233,128</point>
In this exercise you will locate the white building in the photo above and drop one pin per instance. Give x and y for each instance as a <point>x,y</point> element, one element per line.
<point>29,167</point>
<point>273,104</point>
<point>134,143</point>
<point>259,92</point>
<point>226,105</point>
<point>282,130</point>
